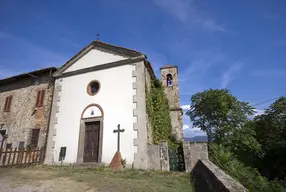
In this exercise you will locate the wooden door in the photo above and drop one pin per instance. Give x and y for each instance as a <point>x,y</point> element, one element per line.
<point>91,142</point>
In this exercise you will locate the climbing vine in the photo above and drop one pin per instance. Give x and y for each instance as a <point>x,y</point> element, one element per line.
<point>158,113</point>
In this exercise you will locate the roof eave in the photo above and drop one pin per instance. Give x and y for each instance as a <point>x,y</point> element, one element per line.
<point>28,74</point>
<point>119,50</point>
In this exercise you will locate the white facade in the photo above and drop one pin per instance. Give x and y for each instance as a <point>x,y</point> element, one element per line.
<point>115,97</point>
<point>95,57</point>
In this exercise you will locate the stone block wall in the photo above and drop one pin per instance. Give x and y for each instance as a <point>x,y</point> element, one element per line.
<point>148,77</point>
<point>177,124</point>
<point>148,80</point>
<point>23,115</point>
<point>140,114</point>
<point>173,97</point>
<point>210,178</point>
<point>194,152</point>
<point>158,157</point>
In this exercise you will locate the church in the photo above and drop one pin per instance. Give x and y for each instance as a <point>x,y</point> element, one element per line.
<point>98,91</point>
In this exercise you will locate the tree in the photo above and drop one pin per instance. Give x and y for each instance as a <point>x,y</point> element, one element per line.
<point>244,145</point>
<point>270,131</point>
<point>218,113</point>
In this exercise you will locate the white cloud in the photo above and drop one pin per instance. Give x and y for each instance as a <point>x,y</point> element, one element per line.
<point>212,25</point>
<point>189,130</point>
<point>258,112</point>
<point>192,132</point>
<point>35,56</point>
<point>271,16</point>
<point>185,107</point>
<point>199,63</point>
<point>195,129</point>
<point>268,73</point>
<point>186,127</point>
<point>189,13</point>
<point>230,74</point>
<point>178,8</point>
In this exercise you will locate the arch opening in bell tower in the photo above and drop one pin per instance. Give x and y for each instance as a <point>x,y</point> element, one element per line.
<point>169,79</point>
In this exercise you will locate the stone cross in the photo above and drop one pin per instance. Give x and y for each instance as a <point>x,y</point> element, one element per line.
<point>97,36</point>
<point>118,130</point>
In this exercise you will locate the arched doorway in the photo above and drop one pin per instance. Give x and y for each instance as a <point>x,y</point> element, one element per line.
<point>91,135</point>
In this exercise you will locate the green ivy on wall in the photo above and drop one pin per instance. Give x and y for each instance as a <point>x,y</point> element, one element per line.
<point>158,112</point>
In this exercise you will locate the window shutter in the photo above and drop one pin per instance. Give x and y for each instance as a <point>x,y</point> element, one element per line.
<point>37,100</point>
<point>42,97</point>
<point>35,137</point>
<point>8,103</point>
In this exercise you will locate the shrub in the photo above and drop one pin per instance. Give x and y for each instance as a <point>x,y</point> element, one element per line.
<point>158,113</point>
<point>123,163</point>
<point>247,176</point>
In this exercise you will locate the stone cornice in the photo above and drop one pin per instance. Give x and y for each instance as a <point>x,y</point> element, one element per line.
<point>101,67</point>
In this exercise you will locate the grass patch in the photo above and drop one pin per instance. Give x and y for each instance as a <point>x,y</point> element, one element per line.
<point>104,179</point>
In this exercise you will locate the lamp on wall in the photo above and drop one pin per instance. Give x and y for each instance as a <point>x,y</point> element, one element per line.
<point>1,126</point>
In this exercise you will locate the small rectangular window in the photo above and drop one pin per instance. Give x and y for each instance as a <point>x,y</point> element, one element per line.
<point>8,145</point>
<point>35,137</point>
<point>21,144</point>
<point>8,103</point>
<point>40,98</point>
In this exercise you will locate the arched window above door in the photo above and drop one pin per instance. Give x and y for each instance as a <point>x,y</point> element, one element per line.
<point>92,110</point>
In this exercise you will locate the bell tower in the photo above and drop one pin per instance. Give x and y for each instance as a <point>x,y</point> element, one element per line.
<point>169,78</point>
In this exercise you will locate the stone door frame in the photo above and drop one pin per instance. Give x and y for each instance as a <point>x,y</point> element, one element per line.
<point>80,151</point>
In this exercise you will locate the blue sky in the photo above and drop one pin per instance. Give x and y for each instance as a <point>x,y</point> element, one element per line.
<point>239,45</point>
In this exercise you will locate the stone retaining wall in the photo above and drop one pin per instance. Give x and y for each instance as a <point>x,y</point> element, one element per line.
<point>158,157</point>
<point>206,175</point>
<point>193,152</point>
<point>210,178</point>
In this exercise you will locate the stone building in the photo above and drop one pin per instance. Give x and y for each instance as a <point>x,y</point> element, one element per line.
<point>25,103</point>
<point>169,76</point>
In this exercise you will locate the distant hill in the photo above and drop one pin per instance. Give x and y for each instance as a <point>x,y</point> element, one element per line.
<point>197,139</point>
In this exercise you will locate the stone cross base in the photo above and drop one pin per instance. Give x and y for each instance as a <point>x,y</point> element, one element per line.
<point>116,162</point>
